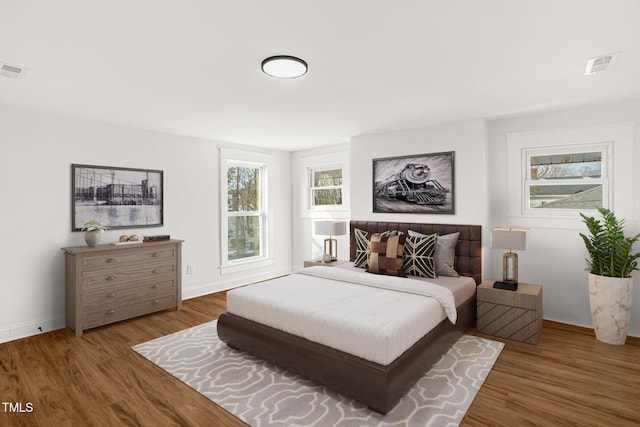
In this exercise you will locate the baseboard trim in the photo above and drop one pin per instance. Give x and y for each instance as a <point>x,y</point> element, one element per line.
<point>31,328</point>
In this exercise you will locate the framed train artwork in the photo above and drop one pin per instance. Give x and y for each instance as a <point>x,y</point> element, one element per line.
<point>116,197</point>
<point>421,183</point>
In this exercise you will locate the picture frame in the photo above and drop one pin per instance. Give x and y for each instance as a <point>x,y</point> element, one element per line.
<point>116,197</point>
<point>420,184</point>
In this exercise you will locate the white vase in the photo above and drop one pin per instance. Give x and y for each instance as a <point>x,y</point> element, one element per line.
<point>610,299</point>
<point>92,237</point>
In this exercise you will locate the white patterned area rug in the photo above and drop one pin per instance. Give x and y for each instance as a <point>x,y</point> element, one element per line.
<point>261,394</point>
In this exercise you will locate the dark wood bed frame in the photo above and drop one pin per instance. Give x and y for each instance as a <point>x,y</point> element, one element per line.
<point>377,386</point>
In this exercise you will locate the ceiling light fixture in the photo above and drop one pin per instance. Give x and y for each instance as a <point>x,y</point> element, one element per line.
<point>284,67</point>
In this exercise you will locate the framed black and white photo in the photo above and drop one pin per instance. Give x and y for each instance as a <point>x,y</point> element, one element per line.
<point>422,184</point>
<point>116,197</point>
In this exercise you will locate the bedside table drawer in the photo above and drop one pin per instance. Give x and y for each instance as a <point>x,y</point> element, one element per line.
<point>515,315</point>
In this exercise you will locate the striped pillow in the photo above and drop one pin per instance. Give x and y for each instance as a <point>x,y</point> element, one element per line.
<point>362,248</point>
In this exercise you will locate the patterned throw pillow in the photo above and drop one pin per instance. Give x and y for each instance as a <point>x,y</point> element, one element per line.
<point>444,254</point>
<point>362,248</point>
<point>386,254</point>
<point>418,256</point>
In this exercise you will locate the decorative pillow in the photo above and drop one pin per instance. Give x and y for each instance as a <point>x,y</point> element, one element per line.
<point>418,256</point>
<point>444,254</point>
<point>362,248</point>
<point>386,254</point>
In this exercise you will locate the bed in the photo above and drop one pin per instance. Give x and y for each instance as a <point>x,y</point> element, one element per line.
<point>378,383</point>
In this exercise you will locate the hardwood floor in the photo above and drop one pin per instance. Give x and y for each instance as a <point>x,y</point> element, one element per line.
<point>569,379</point>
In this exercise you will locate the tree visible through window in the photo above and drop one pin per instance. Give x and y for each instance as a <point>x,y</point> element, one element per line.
<point>326,187</point>
<point>244,219</point>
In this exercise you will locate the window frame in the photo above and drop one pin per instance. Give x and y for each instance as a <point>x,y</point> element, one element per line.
<point>263,162</point>
<point>605,148</point>
<point>311,171</point>
<point>619,137</point>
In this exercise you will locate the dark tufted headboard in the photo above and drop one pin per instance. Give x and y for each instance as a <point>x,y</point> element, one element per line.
<point>468,250</point>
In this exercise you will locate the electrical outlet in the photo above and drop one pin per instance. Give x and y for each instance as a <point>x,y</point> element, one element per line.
<point>190,268</point>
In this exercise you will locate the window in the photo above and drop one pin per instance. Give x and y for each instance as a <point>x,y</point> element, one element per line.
<point>244,219</point>
<point>325,187</point>
<point>244,213</point>
<point>323,184</point>
<point>553,175</point>
<point>574,178</point>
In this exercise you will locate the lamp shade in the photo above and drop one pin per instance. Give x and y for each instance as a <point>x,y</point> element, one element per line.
<point>331,228</point>
<point>513,239</point>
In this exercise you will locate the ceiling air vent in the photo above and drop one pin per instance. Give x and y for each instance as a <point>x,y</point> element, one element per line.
<point>11,71</point>
<point>598,64</point>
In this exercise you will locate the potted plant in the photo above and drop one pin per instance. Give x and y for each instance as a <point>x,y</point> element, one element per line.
<point>92,231</point>
<point>610,264</point>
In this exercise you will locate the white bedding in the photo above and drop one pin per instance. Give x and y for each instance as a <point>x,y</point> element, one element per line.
<point>322,305</point>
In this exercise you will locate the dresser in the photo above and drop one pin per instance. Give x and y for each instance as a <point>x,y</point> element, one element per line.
<point>109,283</point>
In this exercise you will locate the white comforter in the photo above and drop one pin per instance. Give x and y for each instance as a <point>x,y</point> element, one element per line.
<point>370,316</point>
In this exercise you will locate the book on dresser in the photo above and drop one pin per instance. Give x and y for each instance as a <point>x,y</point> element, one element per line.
<point>107,283</point>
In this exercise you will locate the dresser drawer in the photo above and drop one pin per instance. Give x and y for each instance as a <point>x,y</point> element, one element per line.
<point>127,274</point>
<point>126,292</point>
<point>116,312</point>
<point>119,259</point>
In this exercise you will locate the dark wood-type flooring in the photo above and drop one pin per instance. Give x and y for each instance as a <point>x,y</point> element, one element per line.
<point>569,379</point>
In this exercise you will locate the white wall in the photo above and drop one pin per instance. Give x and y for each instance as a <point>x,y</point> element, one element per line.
<point>467,139</point>
<point>306,245</point>
<point>555,258</point>
<point>36,153</point>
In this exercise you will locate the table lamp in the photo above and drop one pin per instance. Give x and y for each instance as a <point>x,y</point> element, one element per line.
<point>511,239</point>
<point>331,228</point>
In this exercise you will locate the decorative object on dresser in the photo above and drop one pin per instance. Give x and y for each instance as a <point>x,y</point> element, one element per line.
<point>92,232</point>
<point>516,315</point>
<point>420,183</point>
<point>157,238</point>
<point>106,283</point>
<point>610,264</point>
<point>331,228</point>
<point>117,197</point>
<point>510,239</point>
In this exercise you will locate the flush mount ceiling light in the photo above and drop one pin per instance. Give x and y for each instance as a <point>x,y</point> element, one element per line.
<point>284,67</point>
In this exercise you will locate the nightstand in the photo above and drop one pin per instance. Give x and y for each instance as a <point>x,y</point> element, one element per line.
<point>326,264</point>
<point>516,315</point>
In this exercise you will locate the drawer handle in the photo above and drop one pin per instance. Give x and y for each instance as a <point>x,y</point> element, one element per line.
<point>111,295</point>
<point>155,270</point>
<point>111,260</point>
<point>112,311</point>
<point>156,286</point>
<point>155,255</point>
<point>155,301</point>
<point>110,278</point>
